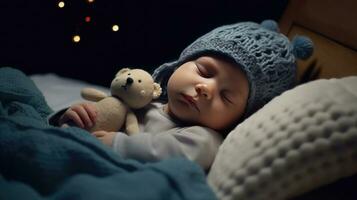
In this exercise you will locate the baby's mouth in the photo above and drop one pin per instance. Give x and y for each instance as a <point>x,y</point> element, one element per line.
<point>190,100</point>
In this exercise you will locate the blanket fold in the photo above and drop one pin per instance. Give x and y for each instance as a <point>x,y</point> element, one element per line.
<point>39,161</point>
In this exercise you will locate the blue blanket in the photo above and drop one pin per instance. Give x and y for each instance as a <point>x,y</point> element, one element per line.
<point>38,161</point>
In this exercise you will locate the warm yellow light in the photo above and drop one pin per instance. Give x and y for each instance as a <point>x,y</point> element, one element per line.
<point>76,38</point>
<point>90,1</point>
<point>115,28</point>
<point>61,4</point>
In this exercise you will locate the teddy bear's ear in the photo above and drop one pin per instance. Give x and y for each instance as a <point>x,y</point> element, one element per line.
<point>122,71</point>
<point>157,91</point>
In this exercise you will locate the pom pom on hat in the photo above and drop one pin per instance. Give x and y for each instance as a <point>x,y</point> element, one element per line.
<point>302,47</point>
<point>270,25</point>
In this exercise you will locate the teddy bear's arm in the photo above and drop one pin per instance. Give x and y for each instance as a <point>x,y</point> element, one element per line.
<point>131,123</point>
<point>92,94</point>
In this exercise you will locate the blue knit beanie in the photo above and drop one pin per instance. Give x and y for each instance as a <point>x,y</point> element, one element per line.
<point>266,56</point>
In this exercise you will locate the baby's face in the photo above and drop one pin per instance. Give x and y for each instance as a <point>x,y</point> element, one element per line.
<point>208,91</point>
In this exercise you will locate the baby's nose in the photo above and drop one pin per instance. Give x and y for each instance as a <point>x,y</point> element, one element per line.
<point>129,81</point>
<point>204,90</point>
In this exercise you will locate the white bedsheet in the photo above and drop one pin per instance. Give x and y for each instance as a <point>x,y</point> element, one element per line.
<point>61,92</point>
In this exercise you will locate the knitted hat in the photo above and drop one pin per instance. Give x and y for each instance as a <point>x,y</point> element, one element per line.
<point>266,56</point>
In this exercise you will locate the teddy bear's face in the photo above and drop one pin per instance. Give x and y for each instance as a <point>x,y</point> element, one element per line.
<point>135,87</point>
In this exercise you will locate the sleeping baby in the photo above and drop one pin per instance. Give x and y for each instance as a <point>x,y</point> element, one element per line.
<point>219,80</point>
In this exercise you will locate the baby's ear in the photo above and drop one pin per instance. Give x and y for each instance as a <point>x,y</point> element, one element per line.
<point>157,91</point>
<point>122,71</point>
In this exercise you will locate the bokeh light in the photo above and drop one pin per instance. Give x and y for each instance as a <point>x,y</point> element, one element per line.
<point>87,19</point>
<point>115,28</point>
<point>76,38</point>
<point>61,4</point>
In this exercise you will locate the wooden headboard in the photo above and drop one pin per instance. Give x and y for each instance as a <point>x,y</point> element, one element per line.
<point>332,26</point>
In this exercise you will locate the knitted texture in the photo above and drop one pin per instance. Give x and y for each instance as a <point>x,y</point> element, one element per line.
<point>25,91</point>
<point>303,139</point>
<point>39,161</point>
<point>266,57</point>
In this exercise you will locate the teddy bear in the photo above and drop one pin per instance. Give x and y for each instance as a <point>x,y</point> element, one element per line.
<point>130,89</point>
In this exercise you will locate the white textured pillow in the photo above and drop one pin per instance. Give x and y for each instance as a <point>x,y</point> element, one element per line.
<point>302,139</point>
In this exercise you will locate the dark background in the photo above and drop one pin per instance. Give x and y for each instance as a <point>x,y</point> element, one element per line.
<point>36,36</point>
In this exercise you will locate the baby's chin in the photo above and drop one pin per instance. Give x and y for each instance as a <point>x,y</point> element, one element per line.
<point>191,118</point>
<point>216,124</point>
<point>182,115</point>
